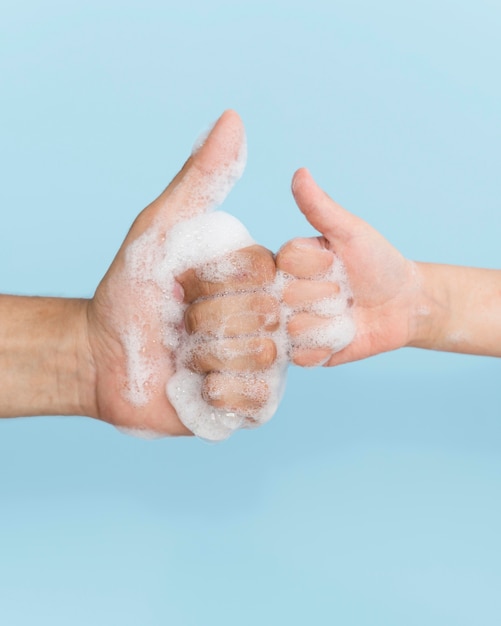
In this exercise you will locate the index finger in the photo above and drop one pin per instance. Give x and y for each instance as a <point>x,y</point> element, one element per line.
<point>305,258</point>
<point>247,269</point>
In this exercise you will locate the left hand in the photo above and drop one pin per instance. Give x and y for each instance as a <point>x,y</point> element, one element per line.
<point>131,365</point>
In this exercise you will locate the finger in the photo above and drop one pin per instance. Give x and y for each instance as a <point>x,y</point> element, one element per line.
<point>310,357</point>
<point>311,332</point>
<point>210,172</point>
<point>305,293</point>
<point>233,354</point>
<point>305,323</point>
<point>335,223</point>
<point>305,258</point>
<point>230,316</point>
<point>241,394</point>
<point>205,179</point>
<point>244,270</point>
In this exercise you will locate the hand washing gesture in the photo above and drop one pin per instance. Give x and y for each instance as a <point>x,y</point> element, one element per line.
<point>191,328</point>
<point>153,316</point>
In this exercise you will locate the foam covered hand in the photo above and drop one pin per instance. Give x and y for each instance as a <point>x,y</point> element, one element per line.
<point>383,284</point>
<point>137,334</point>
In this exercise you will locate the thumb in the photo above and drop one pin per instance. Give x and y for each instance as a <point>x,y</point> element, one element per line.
<point>208,175</point>
<point>336,224</point>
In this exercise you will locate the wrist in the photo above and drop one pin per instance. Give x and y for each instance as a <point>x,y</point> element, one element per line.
<point>464,305</point>
<point>45,362</point>
<point>81,376</point>
<point>431,306</point>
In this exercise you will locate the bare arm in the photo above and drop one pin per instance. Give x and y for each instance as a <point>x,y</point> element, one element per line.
<point>45,365</point>
<point>461,310</point>
<point>108,357</point>
<point>396,302</point>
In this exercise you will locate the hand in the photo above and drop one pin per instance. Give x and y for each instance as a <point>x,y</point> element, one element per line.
<point>126,320</point>
<point>385,286</point>
<point>229,320</point>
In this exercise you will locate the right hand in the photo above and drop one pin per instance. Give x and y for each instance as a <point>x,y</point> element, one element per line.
<point>386,286</point>
<point>229,318</point>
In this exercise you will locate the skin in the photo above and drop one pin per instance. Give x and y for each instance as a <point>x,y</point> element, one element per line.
<point>68,357</point>
<point>396,302</point>
<point>238,311</point>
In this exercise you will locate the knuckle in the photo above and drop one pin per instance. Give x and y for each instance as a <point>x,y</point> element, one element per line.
<point>211,361</point>
<point>267,308</point>
<point>261,265</point>
<point>258,391</point>
<point>296,325</point>
<point>266,267</point>
<point>266,353</point>
<point>212,391</point>
<point>272,314</point>
<point>285,255</point>
<point>194,318</point>
<point>190,284</point>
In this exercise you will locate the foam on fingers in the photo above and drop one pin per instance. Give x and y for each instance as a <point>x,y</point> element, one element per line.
<point>185,237</point>
<point>317,310</point>
<point>305,258</point>
<point>209,241</point>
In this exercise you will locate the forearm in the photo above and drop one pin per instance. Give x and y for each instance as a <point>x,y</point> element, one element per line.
<point>459,310</point>
<point>45,367</point>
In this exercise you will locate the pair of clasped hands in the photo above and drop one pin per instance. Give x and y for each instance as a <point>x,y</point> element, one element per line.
<point>395,302</point>
<point>379,312</point>
<point>95,357</point>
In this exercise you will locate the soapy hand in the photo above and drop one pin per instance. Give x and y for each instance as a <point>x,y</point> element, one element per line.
<point>192,327</point>
<point>233,327</point>
<point>384,285</point>
<point>141,316</point>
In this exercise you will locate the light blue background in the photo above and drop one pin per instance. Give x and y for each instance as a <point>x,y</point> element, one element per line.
<point>374,495</point>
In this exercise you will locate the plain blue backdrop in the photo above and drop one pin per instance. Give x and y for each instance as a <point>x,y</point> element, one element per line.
<point>374,495</point>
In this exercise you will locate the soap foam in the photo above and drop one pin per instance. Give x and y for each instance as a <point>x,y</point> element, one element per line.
<point>217,235</point>
<point>223,269</point>
<point>141,368</point>
<point>206,242</point>
<point>202,138</point>
<point>205,191</point>
<point>336,328</point>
